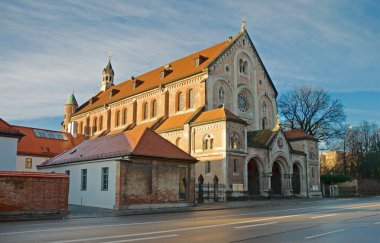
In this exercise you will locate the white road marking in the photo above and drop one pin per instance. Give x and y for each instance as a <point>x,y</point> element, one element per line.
<point>377,223</point>
<point>331,232</point>
<point>168,221</point>
<point>146,238</point>
<point>322,216</point>
<point>254,225</point>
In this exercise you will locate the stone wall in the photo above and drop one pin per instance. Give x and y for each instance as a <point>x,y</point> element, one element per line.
<point>31,193</point>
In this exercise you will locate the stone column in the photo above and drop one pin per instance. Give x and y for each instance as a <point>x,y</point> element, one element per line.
<point>265,187</point>
<point>288,188</point>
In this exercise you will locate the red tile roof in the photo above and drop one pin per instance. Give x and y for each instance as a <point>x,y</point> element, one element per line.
<point>7,130</point>
<point>220,114</point>
<point>176,122</point>
<point>140,143</point>
<point>180,68</point>
<point>298,134</point>
<point>30,144</point>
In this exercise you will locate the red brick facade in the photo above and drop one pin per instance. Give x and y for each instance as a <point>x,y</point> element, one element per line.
<point>146,181</point>
<point>23,193</point>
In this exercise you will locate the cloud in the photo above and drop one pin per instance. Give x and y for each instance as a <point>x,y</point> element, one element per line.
<point>51,48</point>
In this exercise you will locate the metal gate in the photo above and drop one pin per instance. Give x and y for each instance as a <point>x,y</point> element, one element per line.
<point>276,178</point>
<point>296,181</point>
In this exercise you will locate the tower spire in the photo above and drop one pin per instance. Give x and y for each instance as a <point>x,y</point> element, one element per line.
<point>107,75</point>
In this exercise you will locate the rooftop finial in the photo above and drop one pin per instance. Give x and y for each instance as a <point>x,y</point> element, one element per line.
<point>243,23</point>
<point>109,56</point>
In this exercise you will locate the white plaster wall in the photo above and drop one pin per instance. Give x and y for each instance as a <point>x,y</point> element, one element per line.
<point>36,160</point>
<point>93,196</point>
<point>8,153</point>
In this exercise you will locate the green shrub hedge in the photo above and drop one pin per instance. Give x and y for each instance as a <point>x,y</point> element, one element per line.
<point>331,179</point>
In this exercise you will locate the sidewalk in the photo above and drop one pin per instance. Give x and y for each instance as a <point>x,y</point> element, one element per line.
<point>76,211</point>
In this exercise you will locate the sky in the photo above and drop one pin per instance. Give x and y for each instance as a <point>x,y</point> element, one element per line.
<point>50,49</point>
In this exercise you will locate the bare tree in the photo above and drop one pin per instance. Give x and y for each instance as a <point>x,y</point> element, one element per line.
<point>313,111</point>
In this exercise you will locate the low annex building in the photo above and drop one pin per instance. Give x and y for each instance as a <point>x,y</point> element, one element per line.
<point>133,169</point>
<point>38,145</point>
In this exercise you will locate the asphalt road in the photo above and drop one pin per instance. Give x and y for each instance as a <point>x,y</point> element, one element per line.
<point>346,220</point>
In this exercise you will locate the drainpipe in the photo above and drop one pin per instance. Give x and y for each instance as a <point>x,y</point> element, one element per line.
<point>307,178</point>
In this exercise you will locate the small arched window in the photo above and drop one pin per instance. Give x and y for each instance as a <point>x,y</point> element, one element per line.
<point>191,98</point>
<point>208,142</point>
<point>81,128</point>
<point>245,67</point>
<point>264,107</point>
<point>241,65</point>
<point>145,111</point>
<point>117,121</point>
<point>95,124</point>
<point>125,116</point>
<point>207,167</point>
<point>264,124</point>
<point>235,166</point>
<point>234,141</point>
<point>221,94</point>
<point>100,123</point>
<point>180,101</point>
<point>177,141</point>
<point>154,108</point>
<point>87,129</point>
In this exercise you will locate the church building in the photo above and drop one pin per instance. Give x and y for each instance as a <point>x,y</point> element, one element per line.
<point>219,106</point>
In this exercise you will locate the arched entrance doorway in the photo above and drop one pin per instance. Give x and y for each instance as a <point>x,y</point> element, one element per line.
<point>276,178</point>
<point>216,189</point>
<point>296,180</point>
<point>200,189</point>
<point>253,178</point>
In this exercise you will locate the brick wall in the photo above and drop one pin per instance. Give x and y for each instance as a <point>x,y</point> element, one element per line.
<point>23,193</point>
<point>153,182</point>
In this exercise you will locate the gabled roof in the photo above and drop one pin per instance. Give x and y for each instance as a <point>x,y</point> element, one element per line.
<point>7,130</point>
<point>260,138</point>
<point>30,144</point>
<point>176,122</point>
<point>178,69</point>
<point>220,114</point>
<point>298,134</point>
<point>135,143</point>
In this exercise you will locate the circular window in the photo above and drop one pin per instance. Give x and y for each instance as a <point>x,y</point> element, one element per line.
<point>227,68</point>
<point>280,143</point>
<point>243,102</point>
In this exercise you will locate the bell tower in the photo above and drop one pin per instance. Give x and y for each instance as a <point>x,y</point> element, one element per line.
<point>70,108</point>
<point>107,76</point>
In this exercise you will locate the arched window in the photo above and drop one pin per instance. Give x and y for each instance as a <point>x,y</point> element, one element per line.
<point>208,142</point>
<point>245,67</point>
<point>235,166</point>
<point>234,141</point>
<point>117,121</point>
<point>207,167</point>
<point>154,108</point>
<point>241,65</point>
<point>264,123</point>
<point>81,128</point>
<point>125,116</point>
<point>95,124</point>
<point>191,98</point>
<point>100,123</point>
<point>264,107</point>
<point>177,141</point>
<point>180,101</point>
<point>87,129</point>
<point>145,111</point>
<point>221,94</point>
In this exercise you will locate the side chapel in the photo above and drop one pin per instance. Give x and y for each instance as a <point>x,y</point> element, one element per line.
<point>219,106</point>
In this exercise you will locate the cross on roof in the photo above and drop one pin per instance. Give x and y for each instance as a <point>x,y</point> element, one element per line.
<point>109,56</point>
<point>243,23</point>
